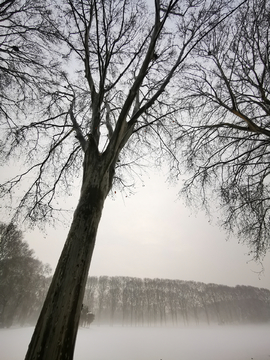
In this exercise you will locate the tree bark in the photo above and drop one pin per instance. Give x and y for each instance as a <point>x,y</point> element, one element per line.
<point>56,330</point>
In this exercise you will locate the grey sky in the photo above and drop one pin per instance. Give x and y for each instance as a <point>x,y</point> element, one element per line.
<point>152,234</point>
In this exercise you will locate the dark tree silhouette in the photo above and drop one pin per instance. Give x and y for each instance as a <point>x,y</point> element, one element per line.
<point>228,135</point>
<point>22,278</point>
<point>26,66</point>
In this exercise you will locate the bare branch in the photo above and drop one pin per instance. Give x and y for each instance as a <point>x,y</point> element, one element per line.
<point>77,128</point>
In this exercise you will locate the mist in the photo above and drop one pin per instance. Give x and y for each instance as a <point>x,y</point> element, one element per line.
<point>232,342</point>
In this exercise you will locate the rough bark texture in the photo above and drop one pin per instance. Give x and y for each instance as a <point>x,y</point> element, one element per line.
<point>55,333</point>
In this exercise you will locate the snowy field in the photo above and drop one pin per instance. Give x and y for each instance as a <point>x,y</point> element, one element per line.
<point>117,343</point>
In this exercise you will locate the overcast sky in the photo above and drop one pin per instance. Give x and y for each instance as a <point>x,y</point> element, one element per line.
<point>152,234</point>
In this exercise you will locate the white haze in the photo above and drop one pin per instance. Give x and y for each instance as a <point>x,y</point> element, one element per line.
<point>156,343</point>
<point>153,235</point>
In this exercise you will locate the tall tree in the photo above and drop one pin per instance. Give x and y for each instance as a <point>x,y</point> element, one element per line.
<point>115,103</point>
<point>228,136</point>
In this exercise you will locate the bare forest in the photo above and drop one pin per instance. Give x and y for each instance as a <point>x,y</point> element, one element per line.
<point>160,302</point>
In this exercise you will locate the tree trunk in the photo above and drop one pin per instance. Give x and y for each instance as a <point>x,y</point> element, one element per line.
<point>56,330</point>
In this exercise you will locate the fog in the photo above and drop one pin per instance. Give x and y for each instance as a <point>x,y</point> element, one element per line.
<point>143,343</point>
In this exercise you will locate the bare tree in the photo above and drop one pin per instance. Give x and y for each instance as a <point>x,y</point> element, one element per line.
<point>102,291</point>
<point>228,136</point>
<point>90,292</point>
<point>26,66</point>
<point>114,295</point>
<point>112,103</point>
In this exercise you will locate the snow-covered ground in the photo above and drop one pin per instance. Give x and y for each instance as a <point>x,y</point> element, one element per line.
<point>126,343</point>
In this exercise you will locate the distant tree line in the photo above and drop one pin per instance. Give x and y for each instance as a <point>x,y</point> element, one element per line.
<point>24,280</point>
<point>149,302</point>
